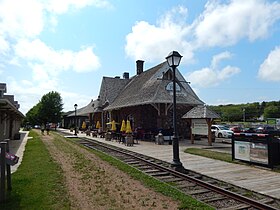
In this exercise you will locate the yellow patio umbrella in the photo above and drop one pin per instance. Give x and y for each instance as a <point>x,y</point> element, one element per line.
<point>128,127</point>
<point>113,126</point>
<point>123,127</point>
<point>97,125</point>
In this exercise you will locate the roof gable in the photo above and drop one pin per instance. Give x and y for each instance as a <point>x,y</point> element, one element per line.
<point>150,87</point>
<point>201,112</point>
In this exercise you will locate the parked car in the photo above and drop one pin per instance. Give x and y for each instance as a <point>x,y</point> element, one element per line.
<point>249,130</point>
<point>221,131</point>
<point>236,129</point>
<point>266,129</point>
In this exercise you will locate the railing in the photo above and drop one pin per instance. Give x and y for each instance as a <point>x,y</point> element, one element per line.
<point>5,169</point>
<point>6,160</point>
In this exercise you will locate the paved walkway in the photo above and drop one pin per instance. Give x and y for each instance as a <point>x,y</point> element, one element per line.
<point>250,177</point>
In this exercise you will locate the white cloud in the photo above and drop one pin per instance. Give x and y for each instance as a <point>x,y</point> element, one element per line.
<point>218,58</point>
<point>270,68</point>
<point>21,18</point>
<point>4,45</point>
<point>53,62</point>
<point>226,24</point>
<point>154,42</point>
<point>85,60</point>
<point>212,76</point>
<point>62,6</point>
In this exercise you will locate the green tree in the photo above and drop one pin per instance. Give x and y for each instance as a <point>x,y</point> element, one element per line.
<point>272,111</point>
<point>32,116</point>
<point>51,107</point>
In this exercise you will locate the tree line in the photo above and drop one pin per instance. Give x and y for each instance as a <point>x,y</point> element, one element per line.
<point>47,110</point>
<point>250,112</point>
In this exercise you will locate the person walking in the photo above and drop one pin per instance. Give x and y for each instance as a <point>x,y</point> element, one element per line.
<point>48,128</point>
<point>42,129</point>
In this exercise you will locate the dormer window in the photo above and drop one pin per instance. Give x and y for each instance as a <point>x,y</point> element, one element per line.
<point>167,75</point>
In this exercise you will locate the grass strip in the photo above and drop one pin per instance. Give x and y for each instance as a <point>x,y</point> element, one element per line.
<point>38,182</point>
<point>219,156</point>
<point>210,154</point>
<point>187,202</point>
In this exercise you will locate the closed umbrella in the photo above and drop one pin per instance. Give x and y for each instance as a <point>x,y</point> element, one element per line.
<point>128,127</point>
<point>123,127</point>
<point>97,125</point>
<point>114,128</point>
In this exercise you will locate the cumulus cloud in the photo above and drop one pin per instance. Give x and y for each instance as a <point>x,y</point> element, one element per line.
<point>153,42</point>
<point>222,23</point>
<point>63,6</point>
<point>270,68</point>
<point>225,24</point>
<point>212,76</point>
<point>21,23</point>
<point>27,19</point>
<point>23,20</point>
<point>45,60</point>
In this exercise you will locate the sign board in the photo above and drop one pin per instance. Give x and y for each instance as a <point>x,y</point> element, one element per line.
<point>250,151</point>
<point>259,153</point>
<point>199,127</point>
<point>242,150</point>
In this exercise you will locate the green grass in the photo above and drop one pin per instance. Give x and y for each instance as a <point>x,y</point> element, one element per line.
<point>38,182</point>
<point>210,154</point>
<point>219,156</point>
<point>187,202</point>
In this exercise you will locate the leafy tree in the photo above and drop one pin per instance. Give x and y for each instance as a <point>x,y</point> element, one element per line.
<point>272,111</point>
<point>31,116</point>
<point>51,107</point>
<point>48,109</point>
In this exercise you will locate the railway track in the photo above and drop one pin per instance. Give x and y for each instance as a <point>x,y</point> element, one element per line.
<point>216,193</point>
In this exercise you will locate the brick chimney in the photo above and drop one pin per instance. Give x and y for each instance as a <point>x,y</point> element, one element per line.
<point>3,89</point>
<point>139,66</point>
<point>126,75</point>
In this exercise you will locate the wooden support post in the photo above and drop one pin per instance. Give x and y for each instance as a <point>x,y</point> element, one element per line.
<point>9,179</point>
<point>3,171</point>
<point>209,123</point>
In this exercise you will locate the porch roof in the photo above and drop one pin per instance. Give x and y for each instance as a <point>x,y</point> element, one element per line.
<point>201,112</point>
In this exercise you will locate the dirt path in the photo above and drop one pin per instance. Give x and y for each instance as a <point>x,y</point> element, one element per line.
<point>95,184</point>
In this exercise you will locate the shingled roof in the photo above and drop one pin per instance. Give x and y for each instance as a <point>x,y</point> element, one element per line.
<point>147,88</point>
<point>84,111</point>
<point>201,112</point>
<point>110,89</point>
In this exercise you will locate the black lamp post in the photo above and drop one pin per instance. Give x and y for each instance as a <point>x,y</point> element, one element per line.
<point>173,60</point>
<point>75,106</point>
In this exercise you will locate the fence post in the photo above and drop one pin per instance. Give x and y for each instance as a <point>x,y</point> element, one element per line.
<point>8,169</point>
<point>3,171</point>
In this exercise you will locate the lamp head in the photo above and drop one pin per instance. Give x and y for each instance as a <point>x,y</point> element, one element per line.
<point>173,59</point>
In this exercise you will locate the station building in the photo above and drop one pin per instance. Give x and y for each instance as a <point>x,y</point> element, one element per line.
<point>146,99</point>
<point>10,116</point>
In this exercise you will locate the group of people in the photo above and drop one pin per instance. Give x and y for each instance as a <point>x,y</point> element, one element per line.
<point>45,127</point>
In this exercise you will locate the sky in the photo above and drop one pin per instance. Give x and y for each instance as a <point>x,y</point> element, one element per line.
<point>230,48</point>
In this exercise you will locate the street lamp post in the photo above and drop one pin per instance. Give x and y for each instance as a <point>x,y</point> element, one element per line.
<point>75,106</point>
<point>244,116</point>
<point>173,60</point>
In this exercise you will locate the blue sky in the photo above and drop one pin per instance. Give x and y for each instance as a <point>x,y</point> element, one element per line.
<point>231,49</point>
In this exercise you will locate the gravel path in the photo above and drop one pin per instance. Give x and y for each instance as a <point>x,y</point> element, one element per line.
<point>94,184</point>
